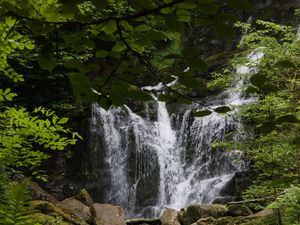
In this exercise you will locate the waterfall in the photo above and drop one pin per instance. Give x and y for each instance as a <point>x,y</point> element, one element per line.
<point>147,163</point>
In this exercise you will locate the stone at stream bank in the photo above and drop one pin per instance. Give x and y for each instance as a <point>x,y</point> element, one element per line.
<point>106,214</point>
<point>239,210</point>
<point>196,212</point>
<point>169,217</point>
<point>80,210</point>
<point>77,208</point>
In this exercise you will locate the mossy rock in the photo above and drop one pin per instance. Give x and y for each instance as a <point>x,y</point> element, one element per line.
<point>55,210</point>
<point>205,221</point>
<point>196,212</point>
<point>238,210</point>
<point>44,219</point>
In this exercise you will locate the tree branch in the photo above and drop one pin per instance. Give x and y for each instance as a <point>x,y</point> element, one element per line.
<point>152,72</point>
<point>144,13</point>
<point>111,75</point>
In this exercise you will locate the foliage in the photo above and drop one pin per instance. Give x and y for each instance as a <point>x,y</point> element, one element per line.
<point>271,123</point>
<point>15,206</point>
<point>119,35</point>
<point>289,203</point>
<point>25,137</point>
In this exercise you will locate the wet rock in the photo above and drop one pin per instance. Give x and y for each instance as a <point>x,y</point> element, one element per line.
<point>196,212</point>
<point>85,198</point>
<point>181,214</point>
<point>169,217</point>
<point>106,214</point>
<point>77,208</point>
<point>239,210</point>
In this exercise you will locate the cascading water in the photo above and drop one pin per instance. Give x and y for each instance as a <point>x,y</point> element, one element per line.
<point>148,164</point>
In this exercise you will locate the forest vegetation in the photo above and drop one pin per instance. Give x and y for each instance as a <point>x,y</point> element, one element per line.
<point>59,56</point>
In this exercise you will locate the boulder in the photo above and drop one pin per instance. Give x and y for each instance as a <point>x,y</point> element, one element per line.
<point>56,210</point>
<point>36,192</point>
<point>180,215</point>
<point>106,214</point>
<point>77,208</point>
<point>205,221</point>
<point>262,213</point>
<point>196,212</point>
<point>169,217</point>
<point>85,198</point>
<point>143,221</point>
<point>239,210</point>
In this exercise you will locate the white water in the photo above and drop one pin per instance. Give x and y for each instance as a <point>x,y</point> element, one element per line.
<point>164,163</point>
<point>148,164</point>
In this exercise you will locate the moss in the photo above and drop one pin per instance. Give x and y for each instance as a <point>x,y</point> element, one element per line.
<point>55,210</point>
<point>44,219</point>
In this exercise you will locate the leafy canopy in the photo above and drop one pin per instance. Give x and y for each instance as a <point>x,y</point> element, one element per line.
<point>121,38</point>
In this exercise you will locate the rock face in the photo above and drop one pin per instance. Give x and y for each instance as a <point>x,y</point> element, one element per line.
<point>196,212</point>
<point>77,208</point>
<point>106,214</point>
<point>239,210</point>
<point>169,217</point>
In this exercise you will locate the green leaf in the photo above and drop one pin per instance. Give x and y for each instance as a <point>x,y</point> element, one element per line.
<point>145,4</point>
<point>197,64</point>
<point>286,64</point>
<point>63,120</point>
<point>46,63</point>
<point>101,54</point>
<point>110,27</point>
<point>142,27</point>
<point>100,4</point>
<point>157,35</point>
<point>258,80</point>
<point>137,94</point>
<point>190,52</point>
<point>202,113</point>
<point>267,127</point>
<point>10,21</point>
<point>119,47</point>
<point>193,83</point>
<point>223,30</point>
<point>287,119</point>
<point>268,88</point>
<point>173,23</point>
<point>240,4</point>
<point>172,56</point>
<point>187,5</point>
<point>183,15</point>
<point>223,109</point>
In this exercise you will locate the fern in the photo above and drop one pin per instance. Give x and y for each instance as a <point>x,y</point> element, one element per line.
<point>15,208</point>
